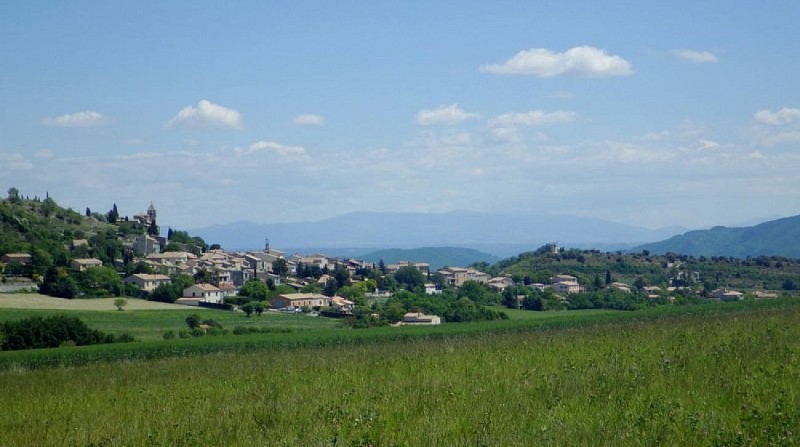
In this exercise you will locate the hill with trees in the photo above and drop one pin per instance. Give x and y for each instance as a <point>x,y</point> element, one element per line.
<point>647,269</point>
<point>779,237</point>
<point>54,236</point>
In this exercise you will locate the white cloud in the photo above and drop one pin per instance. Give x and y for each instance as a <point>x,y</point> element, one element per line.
<point>532,118</point>
<point>44,154</point>
<point>563,94</point>
<point>582,61</point>
<point>207,115</point>
<point>308,119</point>
<point>776,128</point>
<point>14,162</point>
<point>79,119</point>
<point>780,138</point>
<point>783,116</point>
<point>277,148</point>
<point>698,57</point>
<point>708,144</point>
<point>444,114</point>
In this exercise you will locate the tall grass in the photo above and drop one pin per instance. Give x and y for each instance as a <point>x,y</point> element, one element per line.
<point>324,334</point>
<point>711,379</point>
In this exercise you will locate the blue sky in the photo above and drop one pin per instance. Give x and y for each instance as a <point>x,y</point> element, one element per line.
<point>649,113</point>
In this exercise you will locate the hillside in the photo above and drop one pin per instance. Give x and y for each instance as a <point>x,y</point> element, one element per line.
<point>26,224</point>
<point>779,237</point>
<point>408,230</point>
<point>437,257</point>
<point>770,273</point>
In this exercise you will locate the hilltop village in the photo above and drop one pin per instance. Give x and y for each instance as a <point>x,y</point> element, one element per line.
<point>94,255</point>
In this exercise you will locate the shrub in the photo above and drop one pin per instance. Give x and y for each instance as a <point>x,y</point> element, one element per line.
<point>49,332</point>
<point>169,335</point>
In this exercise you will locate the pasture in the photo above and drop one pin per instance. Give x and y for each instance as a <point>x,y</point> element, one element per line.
<point>721,375</point>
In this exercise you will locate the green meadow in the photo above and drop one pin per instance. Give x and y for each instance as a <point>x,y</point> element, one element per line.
<point>717,374</point>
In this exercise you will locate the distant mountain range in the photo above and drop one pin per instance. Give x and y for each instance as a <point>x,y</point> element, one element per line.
<point>437,257</point>
<point>458,229</point>
<point>779,237</point>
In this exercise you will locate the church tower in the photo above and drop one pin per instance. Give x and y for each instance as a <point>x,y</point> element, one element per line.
<point>151,213</point>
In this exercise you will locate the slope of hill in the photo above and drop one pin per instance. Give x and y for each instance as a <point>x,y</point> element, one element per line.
<point>772,273</point>
<point>407,230</point>
<point>779,237</point>
<point>437,257</point>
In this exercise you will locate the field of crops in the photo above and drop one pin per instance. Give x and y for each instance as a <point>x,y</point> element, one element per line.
<point>714,376</point>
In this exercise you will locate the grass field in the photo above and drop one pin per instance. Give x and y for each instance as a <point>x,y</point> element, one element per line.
<point>145,320</point>
<point>702,379</point>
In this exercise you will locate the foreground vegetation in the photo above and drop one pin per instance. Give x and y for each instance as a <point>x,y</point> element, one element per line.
<point>701,379</point>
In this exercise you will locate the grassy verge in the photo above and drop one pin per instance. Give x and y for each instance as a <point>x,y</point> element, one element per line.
<point>700,378</point>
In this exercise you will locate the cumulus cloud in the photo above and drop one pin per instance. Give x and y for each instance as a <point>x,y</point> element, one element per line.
<point>532,118</point>
<point>582,61</point>
<point>308,119</point>
<point>277,148</point>
<point>79,119</point>
<point>207,115</point>
<point>783,116</point>
<point>444,114</point>
<point>697,57</point>
<point>776,128</point>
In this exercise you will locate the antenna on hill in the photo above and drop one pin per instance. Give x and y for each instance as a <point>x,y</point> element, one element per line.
<point>266,244</point>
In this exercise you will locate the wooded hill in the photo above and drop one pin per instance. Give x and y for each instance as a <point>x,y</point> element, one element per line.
<point>760,273</point>
<point>779,237</point>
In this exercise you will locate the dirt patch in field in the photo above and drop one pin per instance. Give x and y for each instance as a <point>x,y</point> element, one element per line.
<point>35,301</point>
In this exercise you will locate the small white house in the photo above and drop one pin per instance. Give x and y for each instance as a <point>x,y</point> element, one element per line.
<point>147,282</point>
<point>431,289</point>
<point>204,292</point>
<point>420,318</point>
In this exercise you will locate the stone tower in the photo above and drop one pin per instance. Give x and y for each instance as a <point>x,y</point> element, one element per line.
<point>151,213</point>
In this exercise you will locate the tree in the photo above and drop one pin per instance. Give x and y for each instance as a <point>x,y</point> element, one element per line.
<point>382,266</point>
<point>255,289</point>
<point>259,308</point>
<point>280,267</point>
<point>410,278</point>
<point>342,277</point>
<point>113,215</point>
<point>101,281</point>
<point>119,303</point>
<point>193,321</point>
<point>203,276</point>
<point>152,229</point>
<point>248,309</point>
<point>330,288</point>
<point>609,279</point>
<point>597,284</point>
<point>13,195</point>
<point>88,212</point>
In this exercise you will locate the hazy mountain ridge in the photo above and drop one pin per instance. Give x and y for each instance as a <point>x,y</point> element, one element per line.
<point>409,230</point>
<point>779,237</point>
<point>437,257</point>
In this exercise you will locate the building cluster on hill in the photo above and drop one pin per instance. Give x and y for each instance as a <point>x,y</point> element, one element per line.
<point>198,274</point>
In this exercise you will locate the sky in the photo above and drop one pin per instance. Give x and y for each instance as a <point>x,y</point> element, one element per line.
<point>649,113</point>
